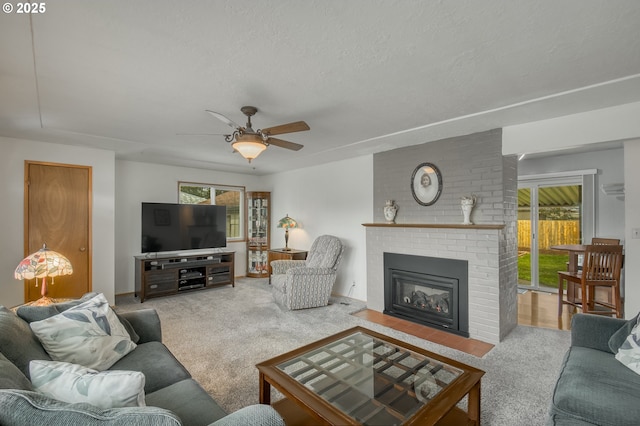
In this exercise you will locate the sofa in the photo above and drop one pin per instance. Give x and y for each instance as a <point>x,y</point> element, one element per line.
<point>594,387</point>
<point>170,395</point>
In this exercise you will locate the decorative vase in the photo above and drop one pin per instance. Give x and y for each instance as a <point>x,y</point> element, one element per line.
<point>390,211</point>
<point>467,204</point>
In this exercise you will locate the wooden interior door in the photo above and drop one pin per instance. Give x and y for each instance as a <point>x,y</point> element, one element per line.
<point>58,213</point>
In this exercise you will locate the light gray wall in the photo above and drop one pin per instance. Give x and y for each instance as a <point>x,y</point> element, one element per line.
<point>632,245</point>
<point>334,199</point>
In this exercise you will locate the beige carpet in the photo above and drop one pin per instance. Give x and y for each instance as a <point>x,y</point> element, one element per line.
<point>220,334</point>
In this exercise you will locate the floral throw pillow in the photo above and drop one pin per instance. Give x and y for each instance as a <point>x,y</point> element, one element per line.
<point>89,334</point>
<point>74,383</point>
<point>629,352</point>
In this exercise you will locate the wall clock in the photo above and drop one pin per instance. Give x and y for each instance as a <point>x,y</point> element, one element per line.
<point>426,184</point>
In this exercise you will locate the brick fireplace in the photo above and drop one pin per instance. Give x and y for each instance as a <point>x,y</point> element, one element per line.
<point>471,164</point>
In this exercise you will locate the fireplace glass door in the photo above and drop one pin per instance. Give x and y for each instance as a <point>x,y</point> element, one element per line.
<point>426,298</point>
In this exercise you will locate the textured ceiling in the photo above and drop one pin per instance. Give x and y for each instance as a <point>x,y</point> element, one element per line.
<point>367,76</point>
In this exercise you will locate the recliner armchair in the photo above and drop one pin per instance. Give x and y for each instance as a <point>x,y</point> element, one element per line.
<point>300,284</point>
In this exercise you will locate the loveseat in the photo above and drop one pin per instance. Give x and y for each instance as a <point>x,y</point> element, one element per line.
<point>171,396</point>
<point>593,387</point>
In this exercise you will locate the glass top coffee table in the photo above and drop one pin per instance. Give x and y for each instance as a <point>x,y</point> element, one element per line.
<point>359,376</point>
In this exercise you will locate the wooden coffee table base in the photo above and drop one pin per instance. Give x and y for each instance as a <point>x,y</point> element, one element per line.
<point>364,375</point>
<point>294,415</point>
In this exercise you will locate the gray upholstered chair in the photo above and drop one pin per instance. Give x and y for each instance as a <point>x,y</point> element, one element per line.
<point>300,284</point>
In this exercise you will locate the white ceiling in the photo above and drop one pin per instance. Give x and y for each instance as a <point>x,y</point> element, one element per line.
<point>367,76</point>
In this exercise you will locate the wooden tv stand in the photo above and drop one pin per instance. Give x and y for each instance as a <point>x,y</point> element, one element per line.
<point>161,275</point>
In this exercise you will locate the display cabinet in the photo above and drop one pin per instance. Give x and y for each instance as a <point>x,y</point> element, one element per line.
<point>258,223</point>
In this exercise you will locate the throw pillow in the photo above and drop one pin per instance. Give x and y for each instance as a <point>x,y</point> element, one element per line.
<point>31,313</point>
<point>74,383</point>
<point>88,334</point>
<point>39,313</point>
<point>617,339</point>
<point>629,352</point>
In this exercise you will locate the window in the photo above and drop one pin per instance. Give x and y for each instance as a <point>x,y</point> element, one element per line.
<point>223,195</point>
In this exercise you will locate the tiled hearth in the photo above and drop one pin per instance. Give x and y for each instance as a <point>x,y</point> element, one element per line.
<point>471,346</point>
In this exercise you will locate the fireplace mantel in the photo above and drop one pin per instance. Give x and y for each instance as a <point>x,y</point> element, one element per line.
<point>433,225</point>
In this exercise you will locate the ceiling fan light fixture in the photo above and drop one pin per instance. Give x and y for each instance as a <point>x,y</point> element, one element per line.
<point>250,143</point>
<point>249,146</point>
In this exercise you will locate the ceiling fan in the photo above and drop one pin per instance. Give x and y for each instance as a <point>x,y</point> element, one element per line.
<point>250,143</point>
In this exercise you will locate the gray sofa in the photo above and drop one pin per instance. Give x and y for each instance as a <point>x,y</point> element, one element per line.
<point>172,396</point>
<point>593,387</point>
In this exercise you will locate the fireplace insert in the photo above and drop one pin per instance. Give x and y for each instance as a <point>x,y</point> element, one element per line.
<point>427,290</point>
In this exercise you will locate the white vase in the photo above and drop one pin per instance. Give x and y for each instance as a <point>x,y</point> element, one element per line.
<point>390,211</point>
<point>467,204</point>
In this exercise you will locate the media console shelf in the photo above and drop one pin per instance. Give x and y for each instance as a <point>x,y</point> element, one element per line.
<point>165,275</point>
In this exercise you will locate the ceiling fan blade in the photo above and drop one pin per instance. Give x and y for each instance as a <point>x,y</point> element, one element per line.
<point>201,134</point>
<point>298,126</point>
<point>224,119</point>
<point>284,144</point>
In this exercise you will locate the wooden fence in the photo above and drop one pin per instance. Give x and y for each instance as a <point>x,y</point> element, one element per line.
<point>550,233</point>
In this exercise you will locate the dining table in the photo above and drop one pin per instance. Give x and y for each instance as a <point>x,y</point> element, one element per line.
<point>574,251</point>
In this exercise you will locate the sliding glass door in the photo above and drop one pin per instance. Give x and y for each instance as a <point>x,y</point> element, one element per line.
<point>550,213</point>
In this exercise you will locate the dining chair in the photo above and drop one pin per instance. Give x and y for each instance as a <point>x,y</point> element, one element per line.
<point>601,269</point>
<point>573,289</point>
<point>609,241</point>
<point>613,241</point>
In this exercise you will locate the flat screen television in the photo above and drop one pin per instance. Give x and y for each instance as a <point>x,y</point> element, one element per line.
<point>172,227</point>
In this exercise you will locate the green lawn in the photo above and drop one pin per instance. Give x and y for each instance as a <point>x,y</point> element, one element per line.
<point>549,265</point>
